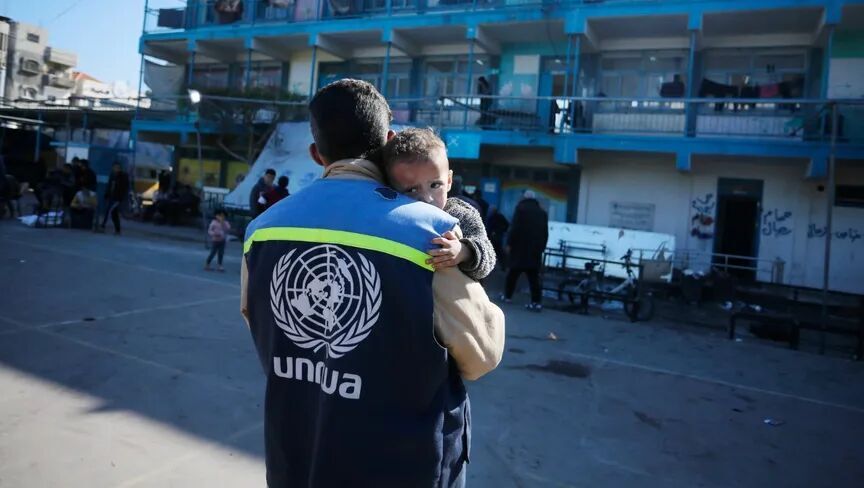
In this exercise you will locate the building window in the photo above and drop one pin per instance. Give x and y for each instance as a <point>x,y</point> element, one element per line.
<point>265,75</point>
<point>371,70</point>
<point>2,42</point>
<point>30,66</point>
<point>641,74</point>
<point>210,76</point>
<point>449,76</point>
<point>32,37</point>
<point>849,196</point>
<point>759,74</point>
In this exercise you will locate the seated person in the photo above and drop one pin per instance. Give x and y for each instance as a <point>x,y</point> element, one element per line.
<point>83,208</point>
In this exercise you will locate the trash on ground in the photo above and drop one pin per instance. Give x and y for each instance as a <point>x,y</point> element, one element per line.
<point>756,308</point>
<point>610,306</point>
<point>727,306</point>
<point>738,339</point>
<point>773,422</point>
<point>552,336</point>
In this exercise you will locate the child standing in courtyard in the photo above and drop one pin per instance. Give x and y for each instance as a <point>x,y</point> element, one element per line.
<point>218,232</point>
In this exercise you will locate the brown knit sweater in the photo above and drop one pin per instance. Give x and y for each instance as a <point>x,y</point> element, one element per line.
<point>474,236</point>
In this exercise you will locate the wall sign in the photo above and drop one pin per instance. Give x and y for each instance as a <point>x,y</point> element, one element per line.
<point>634,216</point>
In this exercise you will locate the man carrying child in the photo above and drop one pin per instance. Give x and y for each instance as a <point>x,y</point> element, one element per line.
<point>364,337</point>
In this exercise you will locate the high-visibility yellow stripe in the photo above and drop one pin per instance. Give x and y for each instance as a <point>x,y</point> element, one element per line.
<point>327,236</point>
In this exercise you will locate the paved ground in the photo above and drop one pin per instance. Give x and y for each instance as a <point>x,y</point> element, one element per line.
<point>122,364</point>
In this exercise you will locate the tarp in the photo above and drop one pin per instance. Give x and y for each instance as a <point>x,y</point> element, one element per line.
<point>165,82</point>
<point>287,152</point>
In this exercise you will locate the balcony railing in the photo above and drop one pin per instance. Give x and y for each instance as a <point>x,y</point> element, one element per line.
<point>793,120</point>
<point>201,13</point>
<point>61,57</point>
<point>59,81</point>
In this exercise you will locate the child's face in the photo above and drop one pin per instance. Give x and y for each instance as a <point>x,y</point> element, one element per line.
<point>426,180</point>
<point>220,217</point>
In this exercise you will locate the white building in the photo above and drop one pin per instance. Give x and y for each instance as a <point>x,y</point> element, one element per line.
<point>33,70</point>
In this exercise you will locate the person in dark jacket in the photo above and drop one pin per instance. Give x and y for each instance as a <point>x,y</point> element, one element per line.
<point>116,192</point>
<point>496,226</point>
<point>525,246</point>
<point>88,176</point>
<point>257,200</point>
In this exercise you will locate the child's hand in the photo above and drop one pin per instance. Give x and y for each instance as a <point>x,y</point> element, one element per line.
<point>451,253</point>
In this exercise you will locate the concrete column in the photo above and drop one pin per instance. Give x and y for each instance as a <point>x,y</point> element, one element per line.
<point>691,110</point>
<point>385,72</point>
<point>190,70</point>
<point>470,82</point>
<point>574,78</point>
<point>312,71</point>
<point>247,75</point>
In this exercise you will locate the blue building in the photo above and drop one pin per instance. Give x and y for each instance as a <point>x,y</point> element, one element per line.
<point>708,120</point>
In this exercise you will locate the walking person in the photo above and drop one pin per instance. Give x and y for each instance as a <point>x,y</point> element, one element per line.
<point>349,319</point>
<point>525,245</point>
<point>218,232</point>
<point>484,90</point>
<point>115,194</point>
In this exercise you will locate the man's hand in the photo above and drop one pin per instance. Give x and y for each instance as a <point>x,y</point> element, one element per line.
<point>451,253</point>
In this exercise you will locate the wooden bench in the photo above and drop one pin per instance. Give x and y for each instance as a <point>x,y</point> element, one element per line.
<point>783,307</point>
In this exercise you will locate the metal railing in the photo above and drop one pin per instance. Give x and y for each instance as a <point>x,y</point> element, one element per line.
<point>176,15</point>
<point>777,118</point>
<point>793,120</point>
<point>765,270</point>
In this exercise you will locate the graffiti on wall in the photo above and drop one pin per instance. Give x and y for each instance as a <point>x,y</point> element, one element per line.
<point>702,222</point>
<point>776,223</point>
<point>817,232</point>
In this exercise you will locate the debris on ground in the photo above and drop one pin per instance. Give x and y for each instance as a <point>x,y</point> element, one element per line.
<point>773,422</point>
<point>552,336</point>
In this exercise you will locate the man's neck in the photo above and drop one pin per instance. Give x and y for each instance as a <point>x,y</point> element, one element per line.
<point>354,169</point>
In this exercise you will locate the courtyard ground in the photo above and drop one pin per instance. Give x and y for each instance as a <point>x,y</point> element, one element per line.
<point>124,364</point>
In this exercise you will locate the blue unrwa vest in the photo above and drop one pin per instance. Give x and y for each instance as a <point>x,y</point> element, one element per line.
<point>359,392</point>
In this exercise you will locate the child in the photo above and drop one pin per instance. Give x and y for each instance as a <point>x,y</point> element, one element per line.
<point>415,161</point>
<point>218,232</point>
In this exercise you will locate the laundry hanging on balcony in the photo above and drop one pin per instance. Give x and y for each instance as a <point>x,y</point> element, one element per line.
<point>165,83</point>
<point>341,7</point>
<point>229,11</point>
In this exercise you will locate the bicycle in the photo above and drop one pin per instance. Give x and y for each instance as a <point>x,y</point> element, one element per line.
<point>638,306</point>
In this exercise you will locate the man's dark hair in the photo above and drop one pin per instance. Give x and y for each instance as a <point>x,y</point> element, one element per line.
<point>270,171</point>
<point>219,211</point>
<point>411,145</point>
<point>349,119</point>
<point>283,181</point>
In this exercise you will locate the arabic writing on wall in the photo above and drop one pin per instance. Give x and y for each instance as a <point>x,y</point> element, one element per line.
<point>775,223</point>
<point>817,232</point>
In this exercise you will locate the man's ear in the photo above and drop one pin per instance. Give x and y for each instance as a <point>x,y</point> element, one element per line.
<point>390,134</point>
<point>449,180</point>
<point>316,156</point>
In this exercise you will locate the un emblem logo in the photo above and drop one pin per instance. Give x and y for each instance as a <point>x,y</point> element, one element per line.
<point>323,297</point>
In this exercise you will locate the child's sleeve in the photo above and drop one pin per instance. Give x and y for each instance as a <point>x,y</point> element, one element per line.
<point>478,243</point>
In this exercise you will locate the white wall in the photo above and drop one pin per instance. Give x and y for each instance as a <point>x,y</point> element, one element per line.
<point>645,178</point>
<point>300,69</point>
